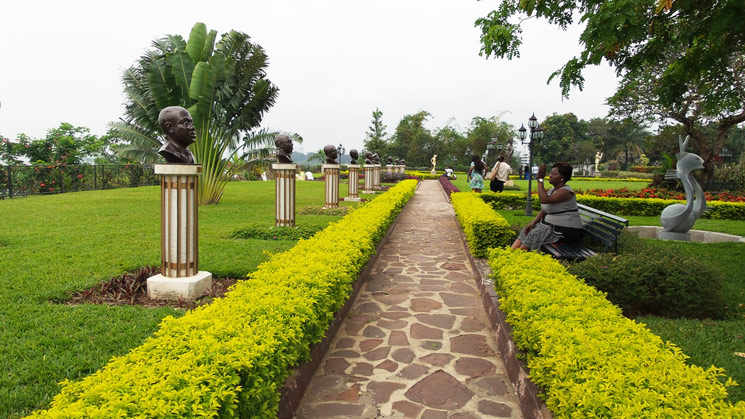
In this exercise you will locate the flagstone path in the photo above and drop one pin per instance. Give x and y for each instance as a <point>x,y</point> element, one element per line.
<point>416,342</point>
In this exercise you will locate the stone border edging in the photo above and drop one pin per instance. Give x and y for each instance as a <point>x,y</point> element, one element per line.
<point>527,393</point>
<point>295,385</point>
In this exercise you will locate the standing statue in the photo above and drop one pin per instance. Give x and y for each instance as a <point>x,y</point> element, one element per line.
<point>284,148</point>
<point>178,126</point>
<point>331,154</point>
<point>368,157</point>
<point>354,155</point>
<point>598,157</point>
<point>434,162</point>
<point>677,219</point>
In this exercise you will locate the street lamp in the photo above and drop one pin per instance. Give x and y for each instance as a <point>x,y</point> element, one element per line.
<point>340,151</point>
<point>536,133</point>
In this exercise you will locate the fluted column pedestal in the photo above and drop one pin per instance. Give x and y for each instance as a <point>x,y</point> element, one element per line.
<point>369,179</point>
<point>376,177</point>
<point>284,194</point>
<point>389,169</point>
<point>180,277</point>
<point>354,183</point>
<point>331,175</point>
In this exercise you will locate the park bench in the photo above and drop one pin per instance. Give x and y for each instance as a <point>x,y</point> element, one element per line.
<point>709,187</point>
<point>600,226</point>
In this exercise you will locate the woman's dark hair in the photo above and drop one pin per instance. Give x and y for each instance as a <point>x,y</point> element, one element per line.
<point>565,170</point>
<point>478,165</point>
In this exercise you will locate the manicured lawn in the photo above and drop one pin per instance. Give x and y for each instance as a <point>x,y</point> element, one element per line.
<point>51,246</point>
<point>462,184</point>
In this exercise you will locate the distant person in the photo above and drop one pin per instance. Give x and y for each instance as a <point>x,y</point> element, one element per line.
<point>476,174</point>
<point>450,173</point>
<point>526,172</point>
<point>178,126</point>
<point>559,218</point>
<point>502,176</point>
<point>520,171</point>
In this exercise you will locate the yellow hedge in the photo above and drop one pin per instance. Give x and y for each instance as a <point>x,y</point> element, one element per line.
<point>589,360</point>
<point>483,227</point>
<point>230,358</point>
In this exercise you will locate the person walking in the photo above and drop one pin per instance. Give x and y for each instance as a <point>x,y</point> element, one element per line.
<point>476,174</point>
<point>502,175</point>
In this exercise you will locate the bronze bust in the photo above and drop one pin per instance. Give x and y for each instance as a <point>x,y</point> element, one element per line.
<point>354,155</point>
<point>375,158</point>
<point>390,160</point>
<point>331,154</point>
<point>368,157</point>
<point>396,162</point>
<point>178,127</point>
<point>284,148</point>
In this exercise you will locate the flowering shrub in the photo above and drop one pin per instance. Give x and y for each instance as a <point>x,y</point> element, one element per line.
<point>588,359</point>
<point>730,196</point>
<point>648,207</point>
<point>447,185</point>
<point>484,228</point>
<point>231,358</point>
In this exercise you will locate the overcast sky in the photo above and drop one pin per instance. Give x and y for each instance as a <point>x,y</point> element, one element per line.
<point>334,62</point>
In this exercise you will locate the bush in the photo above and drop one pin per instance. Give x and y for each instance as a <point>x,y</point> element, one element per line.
<point>265,232</point>
<point>447,185</point>
<point>654,280</point>
<point>588,359</point>
<point>484,228</point>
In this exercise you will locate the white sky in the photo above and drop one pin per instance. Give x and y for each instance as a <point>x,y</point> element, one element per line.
<point>334,62</point>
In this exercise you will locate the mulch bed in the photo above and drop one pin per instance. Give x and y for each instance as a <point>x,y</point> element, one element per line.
<point>131,289</point>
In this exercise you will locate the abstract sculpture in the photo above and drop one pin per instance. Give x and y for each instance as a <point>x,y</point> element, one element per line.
<point>677,219</point>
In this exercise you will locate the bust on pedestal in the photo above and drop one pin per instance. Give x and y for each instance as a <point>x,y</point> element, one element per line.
<point>354,177</point>
<point>331,175</point>
<point>180,277</point>
<point>284,183</point>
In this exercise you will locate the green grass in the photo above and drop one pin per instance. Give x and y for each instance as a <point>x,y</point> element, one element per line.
<point>462,184</point>
<point>51,246</point>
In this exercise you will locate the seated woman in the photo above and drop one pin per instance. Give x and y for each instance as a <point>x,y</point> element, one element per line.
<point>476,174</point>
<point>559,217</point>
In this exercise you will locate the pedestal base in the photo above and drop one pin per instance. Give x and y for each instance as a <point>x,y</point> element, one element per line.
<point>671,235</point>
<point>186,288</point>
<point>352,199</point>
<point>432,172</point>
<point>368,191</point>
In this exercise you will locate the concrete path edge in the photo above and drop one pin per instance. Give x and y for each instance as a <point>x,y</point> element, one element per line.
<point>295,385</point>
<point>527,393</point>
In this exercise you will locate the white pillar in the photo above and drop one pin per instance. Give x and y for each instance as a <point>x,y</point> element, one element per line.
<point>376,177</point>
<point>369,179</point>
<point>180,276</point>
<point>331,175</point>
<point>354,182</point>
<point>389,169</point>
<point>284,194</point>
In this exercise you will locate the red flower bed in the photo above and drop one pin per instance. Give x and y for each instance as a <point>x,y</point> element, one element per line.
<point>729,196</point>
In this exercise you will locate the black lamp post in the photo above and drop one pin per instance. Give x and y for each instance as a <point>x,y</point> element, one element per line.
<point>340,151</point>
<point>536,133</point>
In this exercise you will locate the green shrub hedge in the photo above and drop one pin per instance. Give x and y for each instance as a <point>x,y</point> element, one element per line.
<point>230,358</point>
<point>588,359</point>
<point>653,280</point>
<point>624,206</point>
<point>484,228</point>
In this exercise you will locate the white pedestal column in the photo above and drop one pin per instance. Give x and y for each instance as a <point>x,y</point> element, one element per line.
<point>180,277</point>
<point>376,177</point>
<point>389,169</point>
<point>369,179</point>
<point>284,194</point>
<point>354,183</point>
<point>331,175</point>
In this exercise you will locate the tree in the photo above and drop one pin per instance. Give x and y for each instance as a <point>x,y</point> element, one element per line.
<point>412,140</point>
<point>484,130</point>
<point>562,135</point>
<point>375,137</point>
<point>681,59</point>
<point>224,87</point>
<point>66,144</point>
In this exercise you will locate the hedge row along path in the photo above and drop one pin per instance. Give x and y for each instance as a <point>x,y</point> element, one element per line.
<point>416,342</point>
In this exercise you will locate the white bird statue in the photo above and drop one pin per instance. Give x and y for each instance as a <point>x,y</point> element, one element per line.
<point>679,218</point>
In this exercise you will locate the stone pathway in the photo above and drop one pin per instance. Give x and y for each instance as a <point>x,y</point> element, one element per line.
<point>416,343</point>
